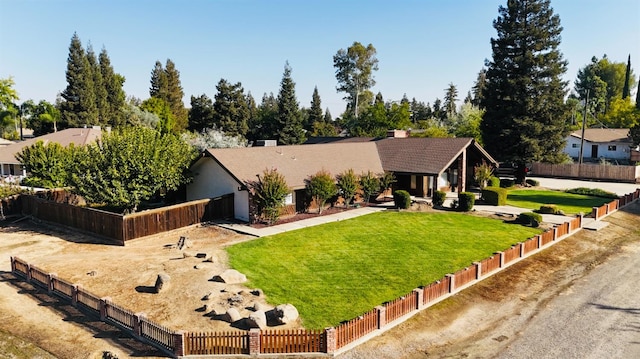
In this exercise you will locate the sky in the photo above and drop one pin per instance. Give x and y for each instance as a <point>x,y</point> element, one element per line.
<point>422,46</point>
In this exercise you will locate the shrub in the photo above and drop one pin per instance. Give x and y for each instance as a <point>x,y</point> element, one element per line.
<point>548,209</point>
<point>466,201</point>
<point>482,173</point>
<point>348,185</point>
<point>495,196</point>
<point>530,219</point>
<point>321,187</point>
<point>532,182</point>
<point>494,182</point>
<point>439,197</point>
<point>596,192</point>
<point>268,193</point>
<point>507,182</point>
<point>402,199</point>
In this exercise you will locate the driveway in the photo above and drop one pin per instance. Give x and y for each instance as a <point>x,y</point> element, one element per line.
<point>560,183</point>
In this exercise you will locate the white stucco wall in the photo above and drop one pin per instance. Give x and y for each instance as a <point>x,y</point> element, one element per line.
<point>573,149</point>
<point>211,180</point>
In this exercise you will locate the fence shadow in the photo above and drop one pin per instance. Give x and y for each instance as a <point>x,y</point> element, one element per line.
<point>59,231</point>
<point>91,323</point>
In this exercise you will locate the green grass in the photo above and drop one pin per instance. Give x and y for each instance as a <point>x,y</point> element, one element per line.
<point>337,271</point>
<point>568,202</point>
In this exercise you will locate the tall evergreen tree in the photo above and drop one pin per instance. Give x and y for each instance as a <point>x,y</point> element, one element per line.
<point>264,125</point>
<point>450,98</point>
<point>525,118</point>
<point>627,77</point>
<point>231,113</point>
<point>479,86</point>
<point>79,104</point>
<point>638,95</point>
<point>290,130</point>
<point>315,112</point>
<point>114,113</point>
<point>100,90</point>
<point>201,113</point>
<point>174,96</point>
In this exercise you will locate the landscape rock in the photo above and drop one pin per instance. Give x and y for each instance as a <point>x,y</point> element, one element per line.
<point>257,306</point>
<point>257,292</point>
<point>162,282</point>
<point>186,254</point>
<point>207,296</point>
<point>184,243</point>
<point>236,300</point>
<point>257,320</point>
<point>232,315</point>
<point>230,276</point>
<point>286,313</point>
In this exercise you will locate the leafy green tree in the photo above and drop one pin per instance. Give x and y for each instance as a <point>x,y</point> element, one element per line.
<point>79,99</point>
<point>321,187</point>
<point>133,115</point>
<point>605,81</point>
<point>268,194</point>
<point>373,122</point>
<point>634,132</point>
<point>315,112</point>
<point>525,118</point>
<point>9,111</point>
<point>201,114</point>
<point>468,121</point>
<point>348,185</point>
<point>387,179</point>
<point>165,85</point>
<point>622,114</point>
<point>213,138</point>
<point>8,95</point>
<point>131,165</point>
<point>627,78</point>
<point>432,128</point>
<point>450,98</point>
<point>43,118</point>
<point>324,129</point>
<point>161,109</point>
<point>370,185</point>
<point>419,111</point>
<point>290,129</point>
<point>354,72</point>
<point>264,126</point>
<point>230,111</point>
<point>113,114</point>
<point>48,164</point>
<point>482,173</point>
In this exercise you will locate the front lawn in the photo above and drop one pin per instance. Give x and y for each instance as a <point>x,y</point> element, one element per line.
<point>568,202</point>
<point>337,271</point>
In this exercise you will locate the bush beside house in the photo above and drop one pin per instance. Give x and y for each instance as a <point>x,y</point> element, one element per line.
<point>495,196</point>
<point>402,199</point>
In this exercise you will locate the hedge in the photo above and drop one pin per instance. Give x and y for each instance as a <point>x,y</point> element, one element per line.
<point>466,201</point>
<point>439,197</point>
<point>402,199</point>
<point>548,209</point>
<point>530,219</point>
<point>507,182</point>
<point>532,182</point>
<point>494,182</point>
<point>495,196</point>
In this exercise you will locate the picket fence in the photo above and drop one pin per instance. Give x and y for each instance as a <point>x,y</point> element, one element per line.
<point>331,341</point>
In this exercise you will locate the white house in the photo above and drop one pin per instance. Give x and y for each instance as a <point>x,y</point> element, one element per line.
<point>608,143</point>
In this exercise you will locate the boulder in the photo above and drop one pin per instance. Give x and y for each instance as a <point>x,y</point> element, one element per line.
<point>207,296</point>
<point>286,313</point>
<point>230,276</point>
<point>232,315</point>
<point>257,320</point>
<point>257,306</point>
<point>162,282</point>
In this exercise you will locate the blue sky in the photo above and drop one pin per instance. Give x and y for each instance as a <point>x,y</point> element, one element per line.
<point>422,45</point>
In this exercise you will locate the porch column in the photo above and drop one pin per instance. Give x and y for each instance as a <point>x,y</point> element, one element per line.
<point>462,172</point>
<point>435,184</point>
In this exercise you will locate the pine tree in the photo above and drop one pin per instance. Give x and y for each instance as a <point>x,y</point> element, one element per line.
<point>159,86</point>
<point>98,85</point>
<point>114,115</point>
<point>627,77</point>
<point>201,113</point>
<point>79,105</point>
<point>315,112</point>
<point>174,96</point>
<point>638,95</point>
<point>524,97</point>
<point>290,130</point>
<point>450,98</point>
<point>264,125</point>
<point>231,113</point>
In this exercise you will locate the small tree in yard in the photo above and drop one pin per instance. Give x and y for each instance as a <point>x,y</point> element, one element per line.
<point>482,173</point>
<point>370,185</point>
<point>321,187</point>
<point>348,185</point>
<point>269,192</point>
<point>386,180</point>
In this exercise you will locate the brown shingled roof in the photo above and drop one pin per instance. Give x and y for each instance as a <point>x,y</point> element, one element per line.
<point>298,162</point>
<point>428,156</point>
<point>77,136</point>
<point>604,135</point>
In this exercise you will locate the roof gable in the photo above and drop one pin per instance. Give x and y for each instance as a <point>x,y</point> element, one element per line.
<point>603,135</point>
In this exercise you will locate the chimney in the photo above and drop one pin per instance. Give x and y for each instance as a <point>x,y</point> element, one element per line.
<point>397,134</point>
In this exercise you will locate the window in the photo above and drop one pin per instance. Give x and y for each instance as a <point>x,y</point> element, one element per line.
<point>575,145</point>
<point>413,182</point>
<point>611,148</point>
<point>288,199</point>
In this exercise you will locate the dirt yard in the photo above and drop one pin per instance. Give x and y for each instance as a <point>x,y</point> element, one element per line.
<point>126,275</point>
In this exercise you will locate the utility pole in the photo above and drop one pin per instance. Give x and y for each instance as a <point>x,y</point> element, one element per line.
<point>584,123</point>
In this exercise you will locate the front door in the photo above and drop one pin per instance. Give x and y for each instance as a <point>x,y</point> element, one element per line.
<point>594,151</point>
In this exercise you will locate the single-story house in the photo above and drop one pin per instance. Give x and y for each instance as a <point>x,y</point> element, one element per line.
<point>11,168</point>
<point>421,166</point>
<point>608,143</point>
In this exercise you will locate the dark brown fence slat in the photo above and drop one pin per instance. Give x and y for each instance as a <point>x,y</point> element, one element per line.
<point>39,276</point>
<point>399,307</point>
<point>216,343</point>
<point>157,334</point>
<point>89,300</point>
<point>291,341</point>
<point>62,288</point>
<point>490,264</point>
<point>120,315</point>
<point>465,276</point>
<point>356,328</point>
<point>436,290</point>
<point>512,253</point>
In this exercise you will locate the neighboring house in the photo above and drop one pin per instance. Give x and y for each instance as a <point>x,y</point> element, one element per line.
<point>10,167</point>
<point>421,166</point>
<point>608,143</point>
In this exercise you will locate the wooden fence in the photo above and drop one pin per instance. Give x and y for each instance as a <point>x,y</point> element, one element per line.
<point>588,171</point>
<point>330,340</point>
<point>120,228</point>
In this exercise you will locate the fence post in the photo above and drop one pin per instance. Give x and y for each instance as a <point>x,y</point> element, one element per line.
<point>452,282</point>
<point>178,344</point>
<point>555,233</point>
<point>74,294</point>
<point>581,216</point>
<point>478,269</point>
<point>50,282</point>
<point>330,340</point>
<point>594,212</point>
<point>254,341</point>
<point>382,316</point>
<point>103,308</point>
<point>13,264</point>
<point>521,249</point>
<point>539,237</point>
<point>28,273</point>
<point>137,324</point>
<point>419,293</point>
<point>501,254</point>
